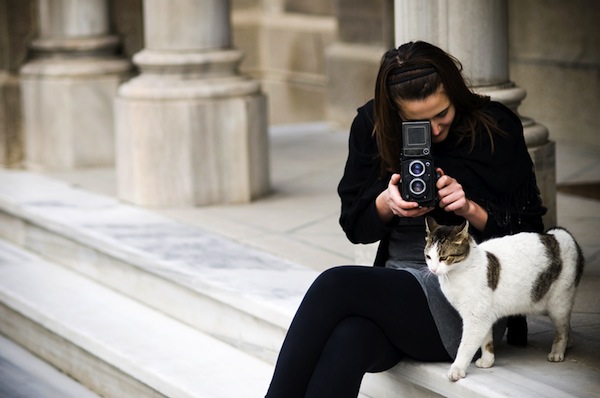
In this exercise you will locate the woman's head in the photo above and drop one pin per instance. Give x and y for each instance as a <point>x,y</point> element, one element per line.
<point>417,70</point>
<point>420,80</point>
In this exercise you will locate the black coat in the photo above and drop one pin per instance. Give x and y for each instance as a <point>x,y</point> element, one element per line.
<point>502,182</point>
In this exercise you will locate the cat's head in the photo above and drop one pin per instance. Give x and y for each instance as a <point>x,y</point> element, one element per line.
<point>446,246</point>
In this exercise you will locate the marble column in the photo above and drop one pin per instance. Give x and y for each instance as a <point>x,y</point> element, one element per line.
<point>68,86</point>
<point>190,129</point>
<point>476,32</point>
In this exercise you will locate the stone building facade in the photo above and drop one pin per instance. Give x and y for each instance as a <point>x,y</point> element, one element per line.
<point>180,94</point>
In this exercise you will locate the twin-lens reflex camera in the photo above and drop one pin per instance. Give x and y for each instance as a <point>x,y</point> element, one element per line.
<point>416,163</point>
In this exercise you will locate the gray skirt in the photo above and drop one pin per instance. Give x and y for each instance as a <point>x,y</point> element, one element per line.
<point>406,255</point>
<point>447,319</point>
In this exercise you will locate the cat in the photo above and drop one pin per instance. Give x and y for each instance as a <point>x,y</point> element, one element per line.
<point>526,273</point>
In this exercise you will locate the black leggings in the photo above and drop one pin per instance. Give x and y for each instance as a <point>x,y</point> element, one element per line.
<point>354,320</point>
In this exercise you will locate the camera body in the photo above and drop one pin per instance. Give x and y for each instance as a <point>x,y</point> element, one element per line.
<point>417,166</point>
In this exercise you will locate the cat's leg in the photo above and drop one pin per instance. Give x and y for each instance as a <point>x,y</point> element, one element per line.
<point>561,320</point>
<point>487,352</point>
<point>474,332</point>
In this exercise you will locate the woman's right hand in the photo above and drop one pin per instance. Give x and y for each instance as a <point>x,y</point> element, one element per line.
<point>389,203</point>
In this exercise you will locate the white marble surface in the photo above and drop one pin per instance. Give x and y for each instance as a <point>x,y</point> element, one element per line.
<point>68,111</point>
<point>238,274</point>
<point>23,375</point>
<point>189,25</point>
<point>190,142</point>
<point>168,356</point>
<point>72,18</point>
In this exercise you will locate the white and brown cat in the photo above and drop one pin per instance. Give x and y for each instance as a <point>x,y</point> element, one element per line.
<point>526,273</point>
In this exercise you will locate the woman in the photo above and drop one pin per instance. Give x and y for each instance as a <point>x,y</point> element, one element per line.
<point>365,319</point>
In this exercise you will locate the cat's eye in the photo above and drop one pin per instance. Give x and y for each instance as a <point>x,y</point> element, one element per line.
<point>450,258</point>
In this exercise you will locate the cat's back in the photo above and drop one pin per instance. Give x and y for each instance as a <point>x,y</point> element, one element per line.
<point>521,255</point>
<point>528,251</point>
<point>521,242</point>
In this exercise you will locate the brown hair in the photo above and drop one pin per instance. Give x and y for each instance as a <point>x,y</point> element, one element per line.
<point>414,71</point>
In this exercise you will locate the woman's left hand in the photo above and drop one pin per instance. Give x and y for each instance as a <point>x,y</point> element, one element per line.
<point>452,198</point>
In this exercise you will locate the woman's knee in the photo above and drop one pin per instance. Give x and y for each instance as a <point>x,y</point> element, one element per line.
<point>335,278</point>
<point>361,341</point>
<point>355,331</point>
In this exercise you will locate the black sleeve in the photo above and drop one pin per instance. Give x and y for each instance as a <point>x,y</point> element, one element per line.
<point>362,182</point>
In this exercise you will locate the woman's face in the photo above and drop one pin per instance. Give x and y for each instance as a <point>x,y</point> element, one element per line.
<point>436,108</point>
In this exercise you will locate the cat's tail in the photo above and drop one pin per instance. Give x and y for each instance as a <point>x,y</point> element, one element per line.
<point>569,247</point>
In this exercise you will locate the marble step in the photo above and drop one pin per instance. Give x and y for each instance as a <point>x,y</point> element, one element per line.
<point>23,375</point>
<point>238,294</point>
<point>112,344</point>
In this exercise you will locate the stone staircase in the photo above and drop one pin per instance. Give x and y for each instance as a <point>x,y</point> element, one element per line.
<point>111,343</point>
<point>131,303</point>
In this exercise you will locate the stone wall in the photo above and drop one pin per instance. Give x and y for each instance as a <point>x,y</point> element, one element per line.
<point>555,56</point>
<point>365,32</point>
<point>284,44</point>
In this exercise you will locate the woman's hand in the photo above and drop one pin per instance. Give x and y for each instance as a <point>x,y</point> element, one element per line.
<point>389,203</point>
<point>452,198</point>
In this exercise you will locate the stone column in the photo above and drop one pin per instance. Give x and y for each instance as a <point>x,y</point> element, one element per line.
<point>476,32</point>
<point>69,85</point>
<point>190,129</point>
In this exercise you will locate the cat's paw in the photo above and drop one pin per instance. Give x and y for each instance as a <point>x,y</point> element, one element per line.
<point>455,373</point>
<point>556,356</point>
<point>485,362</point>
<point>487,357</point>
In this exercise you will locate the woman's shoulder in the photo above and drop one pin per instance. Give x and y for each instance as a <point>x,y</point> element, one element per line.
<point>363,124</point>
<point>366,113</point>
<point>503,115</point>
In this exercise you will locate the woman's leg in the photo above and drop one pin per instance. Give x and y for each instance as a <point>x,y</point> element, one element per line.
<point>392,300</point>
<point>357,345</point>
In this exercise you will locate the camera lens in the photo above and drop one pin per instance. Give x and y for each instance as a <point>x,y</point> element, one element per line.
<point>417,186</point>
<point>416,168</point>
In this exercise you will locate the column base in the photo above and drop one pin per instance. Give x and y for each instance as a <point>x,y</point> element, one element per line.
<point>192,152</point>
<point>68,111</point>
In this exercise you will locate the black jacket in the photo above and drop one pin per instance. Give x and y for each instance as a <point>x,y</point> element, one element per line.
<point>503,182</point>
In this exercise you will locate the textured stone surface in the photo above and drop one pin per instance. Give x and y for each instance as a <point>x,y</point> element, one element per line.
<point>111,343</point>
<point>68,112</point>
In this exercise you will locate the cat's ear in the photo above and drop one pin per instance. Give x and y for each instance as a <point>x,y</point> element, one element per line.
<point>464,228</point>
<point>430,224</point>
